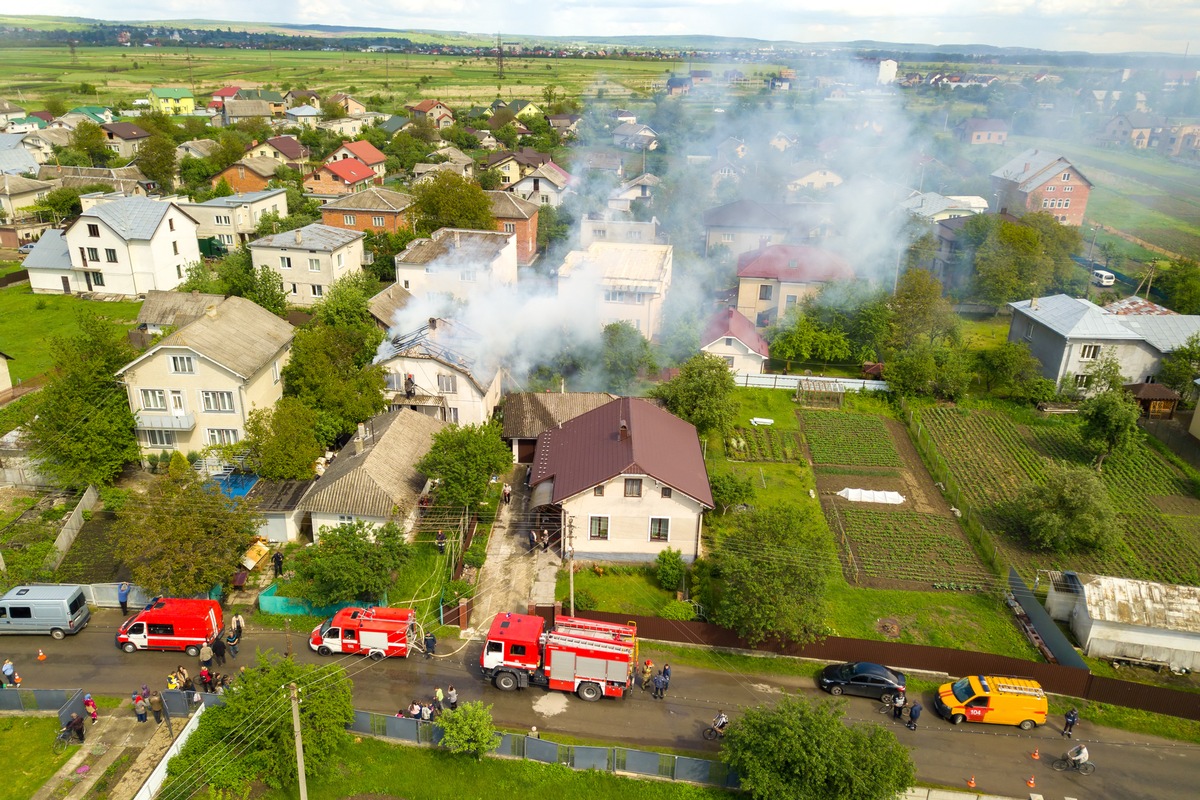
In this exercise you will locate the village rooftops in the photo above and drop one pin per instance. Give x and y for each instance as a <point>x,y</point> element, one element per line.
<point>1074,318</point>
<point>373,199</point>
<point>364,151</point>
<point>314,237</point>
<point>794,263</point>
<point>350,170</point>
<point>125,130</point>
<point>506,205</point>
<point>620,264</point>
<point>455,246</point>
<point>235,200</point>
<point>1035,167</point>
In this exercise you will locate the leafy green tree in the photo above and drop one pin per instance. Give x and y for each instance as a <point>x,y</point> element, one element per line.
<point>469,729</point>
<point>1181,367</point>
<point>88,138</point>
<point>506,134</point>
<point>464,458</point>
<point>347,303</point>
<point>196,173</point>
<point>352,561</point>
<point>1068,512</point>
<point>266,290</point>
<point>231,147</point>
<point>669,569</point>
<point>221,189</point>
<point>271,223</point>
<point>448,200</point>
<point>281,441</point>
<point>801,749</point>
<point>802,338</point>
<point>728,490</point>
<point>625,353</point>
<point>1181,283</point>
<point>330,371</point>
<point>920,312</point>
<point>64,202</point>
<point>775,564</point>
<point>331,110</point>
<point>1104,373</point>
<point>460,137</point>
<point>1011,263</point>
<point>554,225</point>
<point>83,431</point>
<point>1109,423</point>
<point>702,393</point>
<point>266,751</point>
<point>490,179</point>
<point>385,247</point>
<point>197,530</point>
<point>156,158</point>
<point>941,371</point>
<point>1007,366</point>
<point>408,150</point>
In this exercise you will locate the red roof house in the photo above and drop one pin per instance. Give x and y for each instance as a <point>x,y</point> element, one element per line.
<point>340,177</point>
<point>732,337</point>
<point>364,152</point>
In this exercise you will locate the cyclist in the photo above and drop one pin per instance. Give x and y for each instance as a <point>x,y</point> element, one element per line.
<point>75,726</point>
<point>720,721</point>
<point>1078,755</point>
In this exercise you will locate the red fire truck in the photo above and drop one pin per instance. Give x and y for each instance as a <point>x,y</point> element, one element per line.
<point>171,623</point>
<point>591,658</point>
<point>374,632</point>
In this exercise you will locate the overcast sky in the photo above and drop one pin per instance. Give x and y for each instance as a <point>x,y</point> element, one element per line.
<point>1091,25</point>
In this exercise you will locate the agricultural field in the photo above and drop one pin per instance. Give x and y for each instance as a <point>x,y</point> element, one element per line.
<point>838,437</point>
<point>991,457</point>
<point>764,444</point>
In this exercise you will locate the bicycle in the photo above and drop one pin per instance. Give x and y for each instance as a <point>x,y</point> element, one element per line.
<point>61,741</point>
<point>1064,764</point>
<point>887,707</point>
<point>712,733</point>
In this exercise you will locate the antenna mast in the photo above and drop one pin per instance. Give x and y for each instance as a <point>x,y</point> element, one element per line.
<point>499,58</point>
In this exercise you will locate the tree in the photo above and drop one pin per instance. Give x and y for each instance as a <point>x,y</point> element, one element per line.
<point>935,370</point>
<point>448,200</point>
<point>331,109</point>
<point>347,303</point>
<point>1181,283</point>
<point>83,431</point>
<point>801,749</point>
<point>88,138</point>
<point>180,539</point>
<point>330,371</point>
<point>802,338</point>
<point>281,441</point>
<point>1104,373</point>
<point>266,290</point>
<point>920,312</point>
<point>775,564</point>
<point>231,147</point>
<point>1011,263</point>
<point>469,729</point>
<point>156,158</point>
<point>702,393</point>
<point>669,569</point>
<point>464,458</point>
<point>266,751</point>
<point>350,562</point>
<point>1068,512</point>
<point>62,203</point>
<point>1109,423</point>
<point>1011,366</point>
<point>1181,367</point>
<point>408,150</point>
<point>728,490</point>
<point>490,179</point>
<point>624,354</point>
<point>554,225</point>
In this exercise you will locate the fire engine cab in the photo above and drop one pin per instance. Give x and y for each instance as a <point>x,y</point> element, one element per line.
<point>591,658</point>
<point>376,632</point>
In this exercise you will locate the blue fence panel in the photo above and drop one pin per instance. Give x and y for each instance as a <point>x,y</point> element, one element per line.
<point>511,744</point>
<point>211,699</point>
<point>48,699</point>
<point>10,700</point>
<point>639,762</point>
<point>401,728</point>
<point>270,603</point>
<point>541,750</point>
<point>176,702</point>
<point>363,722</point>
<point>74,704</point>
<point>591,758</point>
<point>699,770</point>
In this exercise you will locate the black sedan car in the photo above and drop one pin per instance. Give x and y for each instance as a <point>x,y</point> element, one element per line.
<point>861,678</point>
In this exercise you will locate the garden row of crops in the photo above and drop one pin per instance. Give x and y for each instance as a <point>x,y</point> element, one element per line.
<point>908,545</point>
<point>764,444</point>
<point>839,437</point>
<point>985,451</point>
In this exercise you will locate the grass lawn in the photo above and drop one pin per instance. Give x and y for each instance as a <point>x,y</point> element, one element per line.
<point>25,742</point>
<point>637,593</point>
<point>983,332</point>
<point>773,404</point>
<point>28,323</point>
<point>386,771</point>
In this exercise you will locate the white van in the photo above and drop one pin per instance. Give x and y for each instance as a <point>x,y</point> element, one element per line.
<point>1102,278</point>
<point>56,610</point>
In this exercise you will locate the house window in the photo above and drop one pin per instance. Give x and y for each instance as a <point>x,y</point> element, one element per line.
<point>285,262</point>
<point>600,233</point>
<point>170,224</point>
<point>217,401</point>
<point>1045,202</point>
<point>275,372</point>
<point>1068,188</point>
<point>110,255</point>
<point>175,248</point>
<point>727,238</point>
<point>598,528</point>
<point>545,199</point>
<point>1066,176</point>
<point>510,227</point>
<point>318,290</point>
<point>1029,330</point>
<point>183,365</point>
<point>667,493</point>
<point>448,384</point>
<point>660,529</point>
<point>764,291</point>
<point>223,220</point>
<point>222,436</point>
<point>93,254</point>
<point>314,265</point>
<point>345,519</point>
<point>633,487</point>
<point>467,275</point>
<point>93,231</point>
<point>226,238</point>
<point>348,219</point>
<point>1066,203</point>
<point>598,491</point>
<point>729,341</point>
<point>154,400</point>
<point>378,222</point>
<point>1089,352</point>
<point>341,259</point>
<point>406,284</point>
<point>729,361</point>
<point>97,278</point>
<point>634,236</point>
<point>791,300</point>
<point>1081,381</point>
<point>1049,188</point>
<point>160,438</point>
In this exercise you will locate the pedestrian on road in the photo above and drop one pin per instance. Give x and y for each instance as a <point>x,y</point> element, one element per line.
<point>1072,718</point>
<point>647,673</point>
<point>452,697</point>
<point>139,707</point>
<point>277,561</point>
<point>438,697</point>
<point>898,703</point>
<point>430,645</point>
<point>206,654</point>
<point>9,672</point>
<point>123,597</point>
<point>75,725</point>
<point>238,624</point>
<point>426,712</point>
<point>914,714</point>
<point>89,705</point>
<point>441,541</point>
<point>660,687</point>
<point>545,540</point>
<point>666,672</point>
<point>532,540</point>
<point>156,707</point>
<point>205,679</point>
<point>218,647</point>
<point>183,676</point>
<point>232,641</point>
<point>507,494</point>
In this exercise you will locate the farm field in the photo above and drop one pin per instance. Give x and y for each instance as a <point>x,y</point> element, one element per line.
<point>991,457</point>
<point>847,438</point>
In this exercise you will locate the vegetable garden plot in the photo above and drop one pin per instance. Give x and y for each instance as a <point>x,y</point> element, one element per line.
<point>764,444</point>
<point>839,437</point>
<point>908,545</point>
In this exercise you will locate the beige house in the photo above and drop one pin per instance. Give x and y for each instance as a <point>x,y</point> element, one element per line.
<point>197,386</point>
<point>5,378</point>
<point>631,281</point>
<point>41,143</point>
<point>309,259</point>
<point>18,193</point>
<point>431,370</point>
<point>732,338</point>
<point>374,478</point>
<point>458,263</point>
<point>641,487</point>
<point>234,218</point>
<point>775,278</point>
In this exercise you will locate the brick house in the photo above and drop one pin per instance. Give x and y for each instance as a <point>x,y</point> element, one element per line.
<point>373,209</point>
<point>435,111</point>
<point>517,217</point>
<point>339,177</point>
<point>365,152</point>
<point>1038,180</point>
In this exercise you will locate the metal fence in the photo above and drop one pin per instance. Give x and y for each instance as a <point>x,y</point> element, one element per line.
<point>70,529</point>
<point>62,701</point>
<point>809,383</point>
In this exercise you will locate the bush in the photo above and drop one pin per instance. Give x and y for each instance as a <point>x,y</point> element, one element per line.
<point>669,569</point>
<point>114,499</point>
<point>477,553</point>
<point>455,590</point>
<point>585,600</point>
<point>678,610</point>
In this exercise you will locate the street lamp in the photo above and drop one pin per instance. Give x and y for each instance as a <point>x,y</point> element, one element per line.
<point>1092,246</point>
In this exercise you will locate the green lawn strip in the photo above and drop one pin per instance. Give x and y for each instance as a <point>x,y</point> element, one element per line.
<point>635,593</point>
<point>9,267</point>
<point>1127,719</point>
<point>984,332</point>
<point>372,766</point>
<point>776,404</point>
<point>25,742</point>
<point>725,660</point>
<point>107,702</point>
<point>28,323</point>
<point>419,582</point>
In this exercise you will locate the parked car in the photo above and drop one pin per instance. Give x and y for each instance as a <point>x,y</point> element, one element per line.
<point>26,249</point>
<point>861,678</point>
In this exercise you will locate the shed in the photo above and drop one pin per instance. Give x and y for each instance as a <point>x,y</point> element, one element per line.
<point>279,504</point>
<point>1157,401</point>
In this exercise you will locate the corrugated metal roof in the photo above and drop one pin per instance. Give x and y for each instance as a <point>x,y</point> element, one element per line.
<point>50,252</point>
<point>625,264</point>
<point>235,200</point>
<point>131,218</point>
<point>1073,318</point>
<point>175,308</point>
<point>18,184</point>
<point>1034,167</point>
<point>1153,605</point>
<point>591,449</point>
<point>311,237</point>
<point>382,481</point>
<point>373,199</point>
<point>528,414</point>
<point>1164,332</point>
<point>278,495</point>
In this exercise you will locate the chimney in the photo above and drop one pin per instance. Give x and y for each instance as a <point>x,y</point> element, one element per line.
<point>299,238</point>
<point>211,311</point>
<point>1033,304</point>
<point>433,323</point>
<point>457,239</point>
<point>624,431</point>
<point>359,438</point>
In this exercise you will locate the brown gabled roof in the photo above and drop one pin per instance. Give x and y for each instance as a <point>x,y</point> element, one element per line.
<point>591,449</point>
<point>731,322</point>
<point>125,130</point>
<point>794,263</point>
<point>528,414</point>
<point>259,165</point>
<point>385,305</point>
<point>289,147</point>
<point>1151,391</point>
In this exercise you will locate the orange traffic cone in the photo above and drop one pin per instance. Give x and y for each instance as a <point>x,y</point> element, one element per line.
<point>1030,783</point>
<point>41,656</point>
<point>1036,755</point>
<point>971,783</point>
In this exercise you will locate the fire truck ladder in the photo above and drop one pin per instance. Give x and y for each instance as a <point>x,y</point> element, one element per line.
<point>592,627</point>
<point>1013,688</point>
<point>571,640</point>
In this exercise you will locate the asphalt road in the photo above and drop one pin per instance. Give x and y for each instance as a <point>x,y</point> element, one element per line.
<point>1130,766</point>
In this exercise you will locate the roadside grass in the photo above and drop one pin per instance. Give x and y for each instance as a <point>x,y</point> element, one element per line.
<point>636,593</point>
<point>29,322</point>
<point>377,768</point>
<point>9,267</point>
<point>25,742</point>
<point>1127,719</point>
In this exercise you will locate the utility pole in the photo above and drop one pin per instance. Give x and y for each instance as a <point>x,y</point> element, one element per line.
<point>571,559</point>
<point>295,693</point>
<point>287,632</point>
<point>499,57</point>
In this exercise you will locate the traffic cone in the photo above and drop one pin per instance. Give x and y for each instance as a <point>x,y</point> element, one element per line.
<point>971,783</point>
<point>41,656</point>
<point>1030,783</point>
<point>1036,755</point>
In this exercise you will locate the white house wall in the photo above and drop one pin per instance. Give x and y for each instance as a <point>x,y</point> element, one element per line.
<point>473,407</point>
<point>629,522</point>
<point>300,280</point>
<point>739,357</point>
